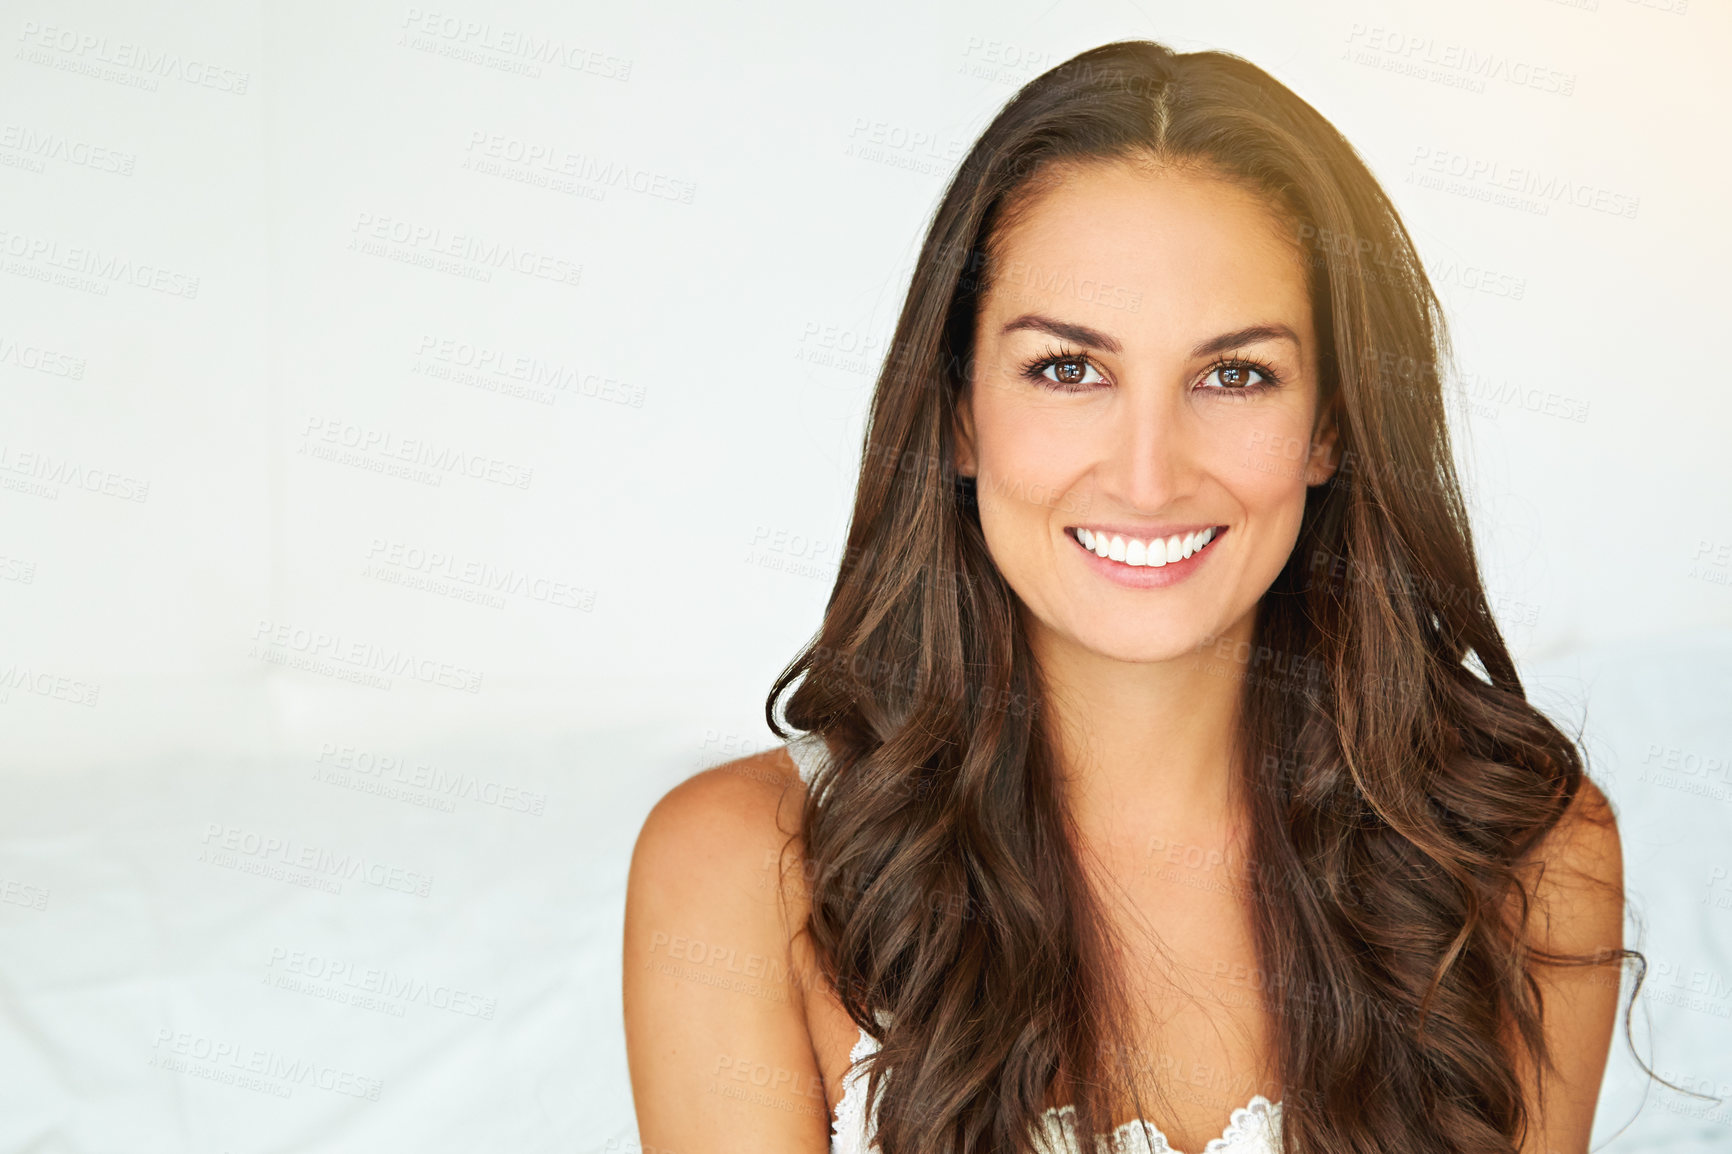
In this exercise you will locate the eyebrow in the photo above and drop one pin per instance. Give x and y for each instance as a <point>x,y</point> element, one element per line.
<point>1094,338</point>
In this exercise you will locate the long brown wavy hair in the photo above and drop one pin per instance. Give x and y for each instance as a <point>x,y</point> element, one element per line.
<point>1395,788</point>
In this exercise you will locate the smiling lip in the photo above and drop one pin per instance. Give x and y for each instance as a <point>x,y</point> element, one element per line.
<point>1146,576</point>
<point>1147,532</point>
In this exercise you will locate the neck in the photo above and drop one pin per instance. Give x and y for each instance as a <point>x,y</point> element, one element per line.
<point>1145,746</point>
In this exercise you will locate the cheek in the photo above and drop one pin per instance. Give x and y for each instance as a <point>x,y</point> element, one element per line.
<point>1264,457</point>
<point>1030,456</point>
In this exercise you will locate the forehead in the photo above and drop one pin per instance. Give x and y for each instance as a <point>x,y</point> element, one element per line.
<point>1132,249</point>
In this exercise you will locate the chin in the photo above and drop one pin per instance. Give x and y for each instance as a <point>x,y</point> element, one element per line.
<point>1141,646</point>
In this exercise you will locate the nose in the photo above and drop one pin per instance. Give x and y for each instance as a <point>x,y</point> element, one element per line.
<point>1149,452</point>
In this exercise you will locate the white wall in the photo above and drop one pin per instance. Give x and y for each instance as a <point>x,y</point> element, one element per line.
<point>675,512</point>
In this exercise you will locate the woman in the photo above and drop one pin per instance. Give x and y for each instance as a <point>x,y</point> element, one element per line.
<point>1163,775</point>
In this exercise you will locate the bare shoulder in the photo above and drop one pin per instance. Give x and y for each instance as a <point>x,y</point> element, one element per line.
<point>725,832</point>
<point>1576,876</point>
<point>1577,873</point>
<point>719,1052</point>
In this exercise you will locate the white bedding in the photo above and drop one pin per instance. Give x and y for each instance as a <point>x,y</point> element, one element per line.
<point>173,979</point>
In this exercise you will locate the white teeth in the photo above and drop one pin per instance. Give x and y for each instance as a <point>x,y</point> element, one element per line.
<point>1144,553</point>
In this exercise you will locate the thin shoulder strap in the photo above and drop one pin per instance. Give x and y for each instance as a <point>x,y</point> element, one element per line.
<point>809,753</point>
<point>867,1043</point>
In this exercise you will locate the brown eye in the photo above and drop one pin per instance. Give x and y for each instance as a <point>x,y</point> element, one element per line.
<point>1071,372</point>
<point>1063,374</point>
<point>1235,376</point>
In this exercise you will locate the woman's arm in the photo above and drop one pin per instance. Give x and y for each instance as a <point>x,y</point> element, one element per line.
<point>1578,908</point>
<point>721,1059</point>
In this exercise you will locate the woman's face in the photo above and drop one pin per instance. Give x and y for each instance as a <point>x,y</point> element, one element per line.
<point>1144,368</point>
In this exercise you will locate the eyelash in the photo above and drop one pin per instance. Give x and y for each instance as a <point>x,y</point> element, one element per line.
<point>1035,371</point>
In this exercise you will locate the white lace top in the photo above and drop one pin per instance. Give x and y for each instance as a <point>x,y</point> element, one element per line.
<point>1254,1128</point>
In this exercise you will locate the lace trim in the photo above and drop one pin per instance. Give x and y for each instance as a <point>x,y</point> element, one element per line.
<point>850,1133</point>
<point>1257,1119</point>
<point>1255,1126</point>
<point>849,1125</point>
<point>809,753</point>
